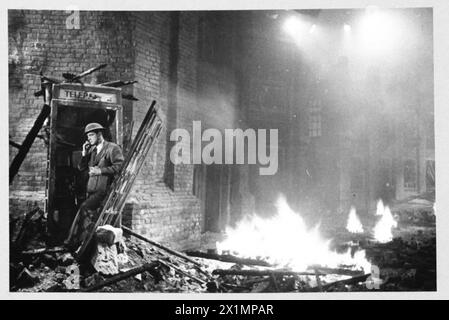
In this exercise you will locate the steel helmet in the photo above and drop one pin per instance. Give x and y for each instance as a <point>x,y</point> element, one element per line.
<point>93,126</point>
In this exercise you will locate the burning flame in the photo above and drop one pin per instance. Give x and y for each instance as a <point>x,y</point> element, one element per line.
<point>285,240</point>
<point>354,225</point>
<point>383,229</point>
<point>380,208</point>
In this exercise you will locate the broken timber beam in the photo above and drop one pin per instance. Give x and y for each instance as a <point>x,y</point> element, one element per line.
<point>339,271</point>
<point>14,144</point>
<point>122,276</point>
<point>228,258</point>
<point>316,272</point>
<point>170,265</point>
<point>45,250</point>
<point>27,143</point>
<point>160,246</point>
<point>353,280</point>
<point>233,272</point>
<point>117,83</point>
<point>18,243</point>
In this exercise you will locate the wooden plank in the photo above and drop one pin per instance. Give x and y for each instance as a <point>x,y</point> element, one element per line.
<point>233,272</point>
<point>353,280</point>
<point>170,265</point>
<point>339,271</point>
<point>228,258</point>
<point>28,142</point>
<point>14,144</point>
<point>122,276</point>
<point>156,244</point>
<point>45,250</point>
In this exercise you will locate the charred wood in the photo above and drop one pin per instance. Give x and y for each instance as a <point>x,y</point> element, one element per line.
<point>339,271</point>
<point>234,272</point>
<point>14,144</point>
<point>27,143</point>
<point>349,281</point>
<point>228,258</point>
<point>125,275</point>
<point>170,265</point>
<point>160,246</point>
<point>45,250</point>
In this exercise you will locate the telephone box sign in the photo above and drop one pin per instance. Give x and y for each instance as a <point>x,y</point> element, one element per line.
<point>87,93</point>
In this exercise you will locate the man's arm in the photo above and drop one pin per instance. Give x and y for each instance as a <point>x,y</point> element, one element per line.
<point>85,155</point>
<point>116,160</point>
<point>84,163</point>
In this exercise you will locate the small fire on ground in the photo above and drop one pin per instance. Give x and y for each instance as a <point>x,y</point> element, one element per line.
<point>285,240</point>
<point>354,225</point>
<point>383,231</point>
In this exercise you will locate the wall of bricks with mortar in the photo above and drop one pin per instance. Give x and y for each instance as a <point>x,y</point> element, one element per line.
<point>40,41</point>
<point>136,46</point>
<point>154,209</point>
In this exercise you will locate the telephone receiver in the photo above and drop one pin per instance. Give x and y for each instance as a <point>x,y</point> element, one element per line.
<point>88,146</point>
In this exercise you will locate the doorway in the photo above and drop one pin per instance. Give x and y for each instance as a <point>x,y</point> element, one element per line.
<point>66,185</point>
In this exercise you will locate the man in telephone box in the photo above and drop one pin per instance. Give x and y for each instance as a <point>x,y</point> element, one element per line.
<point>102,160</point>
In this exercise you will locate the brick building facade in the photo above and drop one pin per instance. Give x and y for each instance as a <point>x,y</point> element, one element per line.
<point>351,132</point>
<point>337,147</point>
<point>167,53</point>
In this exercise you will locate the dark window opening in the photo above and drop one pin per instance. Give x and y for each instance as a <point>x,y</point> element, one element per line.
<point>273,98</point>
<point>430,175</point>
<point>410,175</point>
<point>357,174</point>
<point>430,141</point>
<point>315,123</point>
<point>198,180</point>
<point>215,40</point>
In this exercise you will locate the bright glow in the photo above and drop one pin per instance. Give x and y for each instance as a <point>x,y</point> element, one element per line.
<point>312,28</point>
<point>347,28</point>
<point>383,229</point>
<point>354,225</point>
<point>285,240</point>
<point>292,26</point>
<point>297,28</point>
<point>379,32</point>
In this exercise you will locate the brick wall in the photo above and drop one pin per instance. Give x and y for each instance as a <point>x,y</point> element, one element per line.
<point>139,46</point>
<point>39,40</point>
<point>164,213</point>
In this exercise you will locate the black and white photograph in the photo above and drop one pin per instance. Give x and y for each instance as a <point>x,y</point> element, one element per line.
<point>222,151</point>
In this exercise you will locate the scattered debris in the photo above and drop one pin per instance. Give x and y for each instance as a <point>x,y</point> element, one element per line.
<point>28,231</point>
<point>110,253</point>
<point>127,274</point>
<point>404,264</point>
<point>228,258</point>
<point>156,244</point>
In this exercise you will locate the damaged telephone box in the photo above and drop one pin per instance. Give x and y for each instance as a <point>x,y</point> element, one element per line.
<point>73,106</point>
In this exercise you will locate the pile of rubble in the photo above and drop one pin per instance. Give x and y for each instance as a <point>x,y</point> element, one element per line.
<point>416,210</point>
<point>147,269</point>
<point>36,268</point>
<point>151,269</point>
<point>406,263</point>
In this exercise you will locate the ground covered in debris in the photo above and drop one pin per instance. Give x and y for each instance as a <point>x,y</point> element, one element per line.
<point>408,263</point>
<point>60,272</point>
<point>404,265</point>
